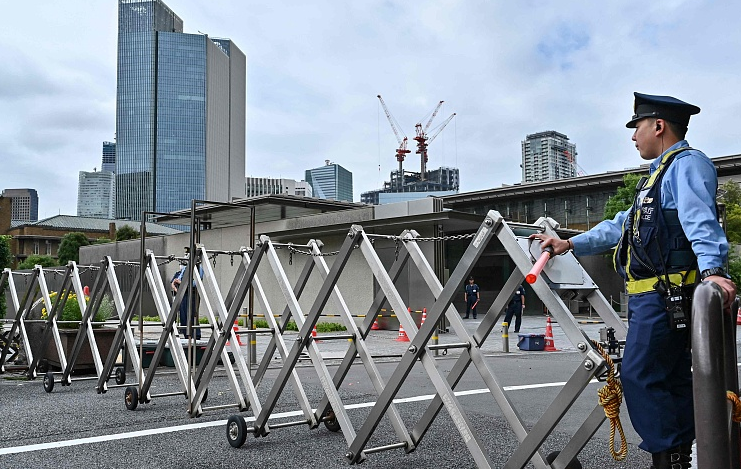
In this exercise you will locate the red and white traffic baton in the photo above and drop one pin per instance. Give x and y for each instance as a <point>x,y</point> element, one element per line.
<point>532,276</point>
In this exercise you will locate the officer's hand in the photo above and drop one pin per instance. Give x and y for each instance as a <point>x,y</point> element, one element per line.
<point>729,289</point>
<point>559,246</point>
<point>175,283</point>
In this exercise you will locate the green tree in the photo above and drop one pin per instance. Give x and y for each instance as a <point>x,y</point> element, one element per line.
<point>6,259</point>
<point>730,193</point>
<point>623,198</point>
<point>126,232</point>
<point>733,223</point>
<point>69,248</point>
<point>32,260</point>
<point>102,240</point>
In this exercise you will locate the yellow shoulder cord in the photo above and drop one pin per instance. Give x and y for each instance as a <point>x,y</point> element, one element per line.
<point>736,412</point>
<point>610,398</point>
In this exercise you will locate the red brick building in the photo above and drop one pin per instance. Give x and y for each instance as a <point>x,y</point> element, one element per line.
<point>43,237</point>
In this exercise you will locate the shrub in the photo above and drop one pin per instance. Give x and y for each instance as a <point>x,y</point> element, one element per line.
<point>126,232</point>
<point>34,259</point>
<point>71,310</point>
<point>69,247</point>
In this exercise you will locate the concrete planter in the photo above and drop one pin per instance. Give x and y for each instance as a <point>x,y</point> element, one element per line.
<point>103,338</point>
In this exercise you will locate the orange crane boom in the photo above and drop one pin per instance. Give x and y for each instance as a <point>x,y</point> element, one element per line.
<point>402,151</point>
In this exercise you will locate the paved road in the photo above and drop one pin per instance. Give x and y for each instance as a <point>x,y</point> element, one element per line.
<point>75,427</point>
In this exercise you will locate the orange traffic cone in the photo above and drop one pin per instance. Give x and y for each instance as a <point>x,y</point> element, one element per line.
<point>236,329</point>
<point>375,326</point>
<point>424,317</point>
<point>549,345</point>
<point>402,335</point>
<point>313,334</point>
<point>738,317</point>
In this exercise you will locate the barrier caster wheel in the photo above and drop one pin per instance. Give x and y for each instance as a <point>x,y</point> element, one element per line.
<point>120,375</point>
<point>131,397</point>
<point>49,381</point>
<point>574,464</point>
<point>236,431</point>
<point>331,422</point>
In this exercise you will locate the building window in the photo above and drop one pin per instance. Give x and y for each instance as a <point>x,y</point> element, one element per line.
<point>35,247</point>
<point>48,248</point>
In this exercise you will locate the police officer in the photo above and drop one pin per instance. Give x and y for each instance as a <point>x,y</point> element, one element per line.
<point>193,300</point>
<point>667,241</point>
<point>471,297</point>
<point>516,307</point>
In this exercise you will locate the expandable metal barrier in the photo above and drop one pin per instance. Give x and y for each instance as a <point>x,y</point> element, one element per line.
<point>38,287</point>
<point>563,279</point>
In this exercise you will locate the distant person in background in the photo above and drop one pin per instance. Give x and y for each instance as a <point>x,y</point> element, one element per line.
<point>515,308</point>
<point>177,279</point>
<point>471,296</point>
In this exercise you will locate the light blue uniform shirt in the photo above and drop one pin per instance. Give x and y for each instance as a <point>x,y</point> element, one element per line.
<point>689,186</point>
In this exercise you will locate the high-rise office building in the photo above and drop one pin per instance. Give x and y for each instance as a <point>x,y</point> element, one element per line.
<point>96,194</point>
<point>24,205</point>
<point>547,156</point>
<point>261,186</point>
<point>409,186</point>
<point>180,113</point>
<point>330,181</point>
<point>109,157</point>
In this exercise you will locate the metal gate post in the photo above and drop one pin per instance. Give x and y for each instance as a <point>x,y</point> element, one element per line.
<point>714,373</point>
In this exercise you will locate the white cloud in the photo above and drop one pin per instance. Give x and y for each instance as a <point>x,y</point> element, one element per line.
<point>314,69</point>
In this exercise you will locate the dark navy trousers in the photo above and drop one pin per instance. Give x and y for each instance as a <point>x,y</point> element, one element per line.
<point>656,376</point>
<point>183,330</point>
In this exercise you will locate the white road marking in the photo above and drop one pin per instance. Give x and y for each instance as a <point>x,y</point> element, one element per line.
<point>216,423</point>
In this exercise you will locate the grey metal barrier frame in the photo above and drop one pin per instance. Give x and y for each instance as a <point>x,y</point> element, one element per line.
<point>552,288</point>
<point>17,332</point>
<point>714,371</point>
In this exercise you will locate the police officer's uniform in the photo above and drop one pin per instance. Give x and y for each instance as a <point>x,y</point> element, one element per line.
<point>670,234</point>
<point>472,298</point>
<point>514,308</point>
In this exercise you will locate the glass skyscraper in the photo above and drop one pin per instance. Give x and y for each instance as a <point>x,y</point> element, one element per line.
<point>109,157</point>
<point>96,192</point>
<point>330,181</point>
<point>180,114</point>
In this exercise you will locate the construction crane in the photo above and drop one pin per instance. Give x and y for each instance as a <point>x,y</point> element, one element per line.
<point>424,140</point>
<point>402,151</point>
<point>577,169</point>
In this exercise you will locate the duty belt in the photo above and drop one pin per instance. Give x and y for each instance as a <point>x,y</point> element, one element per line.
<point>635,287</point>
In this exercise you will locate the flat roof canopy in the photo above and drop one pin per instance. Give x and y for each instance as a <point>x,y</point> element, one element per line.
<point>267,208</point>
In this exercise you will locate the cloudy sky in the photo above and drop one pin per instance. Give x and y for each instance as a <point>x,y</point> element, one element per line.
<point>314,68</point>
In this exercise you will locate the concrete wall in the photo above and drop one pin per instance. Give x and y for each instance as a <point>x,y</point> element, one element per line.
<point>356,284</point>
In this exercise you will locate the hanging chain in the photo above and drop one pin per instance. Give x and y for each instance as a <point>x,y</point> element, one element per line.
<point>423,239</point>
<point>292,250</point>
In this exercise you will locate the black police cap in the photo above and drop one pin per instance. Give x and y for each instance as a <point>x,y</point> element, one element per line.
<point>661,107</point>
